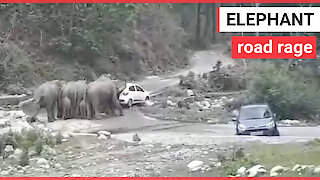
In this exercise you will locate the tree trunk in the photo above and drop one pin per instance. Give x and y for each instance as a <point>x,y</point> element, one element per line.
<point>214,21</point>
<point>198,23</point>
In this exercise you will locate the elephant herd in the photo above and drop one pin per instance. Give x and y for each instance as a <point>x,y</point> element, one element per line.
<point>77,99</point>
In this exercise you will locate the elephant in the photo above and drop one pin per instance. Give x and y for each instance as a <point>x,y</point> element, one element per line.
<point>83,109</point>
<point>80,87</point>
<point>47,96</point>
<point>75,91</point>
<point>102,92</point>
<point>66,108</point>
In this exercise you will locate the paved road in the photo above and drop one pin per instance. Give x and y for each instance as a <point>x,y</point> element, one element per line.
<point>170,132</point>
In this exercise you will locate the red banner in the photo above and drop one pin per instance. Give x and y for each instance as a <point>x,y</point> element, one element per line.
<point>160,1</point>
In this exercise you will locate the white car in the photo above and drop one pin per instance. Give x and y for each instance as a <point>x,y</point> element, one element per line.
<point>133,94</point>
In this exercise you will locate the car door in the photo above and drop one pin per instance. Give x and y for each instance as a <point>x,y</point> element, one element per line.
<point>133,93</point>
<point>140,93</point>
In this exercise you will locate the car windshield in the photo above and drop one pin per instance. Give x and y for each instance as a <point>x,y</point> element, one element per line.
<point>250,113</point>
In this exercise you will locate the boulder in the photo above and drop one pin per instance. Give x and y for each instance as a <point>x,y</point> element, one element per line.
<point>317,170</point>
<point>106,133</point>
<point>241,171</point>
<point>18,152</point>
<point>42,162</point>
<point>190,93</point>
<point>256,170</point>
<point>206,104</point>
<point>149,103</point>
<point>275,171</point>
<point>170,103</point>
<point>8,149</point>
<point>195,165</point>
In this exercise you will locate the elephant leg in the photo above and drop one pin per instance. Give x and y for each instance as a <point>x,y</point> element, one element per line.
<point>49,113</point>
<point>95,106</point>
<point>53,110</point>
<point>117,105</point>
<point>89,113</point>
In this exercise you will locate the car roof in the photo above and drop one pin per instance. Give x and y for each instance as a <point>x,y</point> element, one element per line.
<point>132,84</point>
<point>255,105</point>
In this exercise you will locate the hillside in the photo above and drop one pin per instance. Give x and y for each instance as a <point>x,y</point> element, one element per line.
<point>42,42</point>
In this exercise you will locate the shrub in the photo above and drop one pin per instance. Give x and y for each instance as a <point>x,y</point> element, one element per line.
<point>289,94</point>
<point>24,158</point>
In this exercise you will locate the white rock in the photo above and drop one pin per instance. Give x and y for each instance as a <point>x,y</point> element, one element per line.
<point>206,104</point>
<point>297,167</point>
<point>235,113</point>
<point>277,170</point>
<point>8,149</point>
<point>255,170</point>
<point>5,173</point>
<point>106,133</point>
<point>242,171</point>
<point>190,93</point>
<point>307,167</point>
<point>273,174</point>
<point>218,164</point>
<point>149,103</point>
<point>42,161</point>
<point>18,152</point>
<point>102,137</point>
<point>170,103</point>
<point>51,151</point>
<point>195,165</point>
<point>317,170</point>
<point>65,136</point>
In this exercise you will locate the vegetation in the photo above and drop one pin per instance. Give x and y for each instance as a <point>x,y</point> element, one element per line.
<point>71,41</point>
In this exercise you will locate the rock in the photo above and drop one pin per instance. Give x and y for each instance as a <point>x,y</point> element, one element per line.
<point>42,162</point>
<point>307,167</point>
<point>8,149</point>
<point>275,171</point>
<point>255,170</point>
<point>190,93</point>
<point>65,136</point>
<point>235,113</point>
<point>206,104</point>
<point>195,165</point>
<point>297,167</point>
<point>241,171</point>
<point>218,164</point>
<point>149,103</point>
<point>102,137</point>
<point>106,133</point>
<point>273,174</point>
<point>317,170</point>
<point>170,103</point>
<point>18,152</point>
<point>5,173</point>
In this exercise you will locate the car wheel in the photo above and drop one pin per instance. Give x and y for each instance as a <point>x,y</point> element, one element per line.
<point>129,103</point>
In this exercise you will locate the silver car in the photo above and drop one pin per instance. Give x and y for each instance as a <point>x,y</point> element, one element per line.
<point>256,119</point>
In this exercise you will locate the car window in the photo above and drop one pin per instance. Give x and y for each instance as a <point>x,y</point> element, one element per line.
<point>139,89</point>
<point>254,113</point>
<point>131,88</point>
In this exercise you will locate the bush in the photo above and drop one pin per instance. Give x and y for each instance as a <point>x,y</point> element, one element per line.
<point>24,158</point>
<point>288,93</point>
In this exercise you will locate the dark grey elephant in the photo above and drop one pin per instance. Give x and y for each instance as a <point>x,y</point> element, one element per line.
<point>47,96</point>
<point>102,93</point>
<point>75,91</point>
